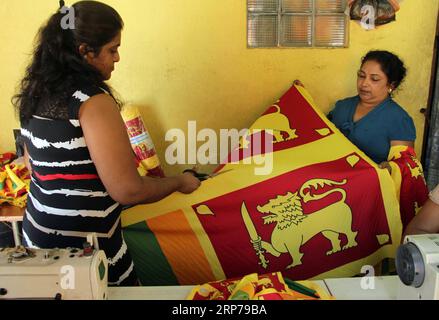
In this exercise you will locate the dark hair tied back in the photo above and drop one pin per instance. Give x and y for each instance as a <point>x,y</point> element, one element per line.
<point>391,65</point>
<point>57,68</point>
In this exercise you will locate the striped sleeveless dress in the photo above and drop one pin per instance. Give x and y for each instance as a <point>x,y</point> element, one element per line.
<point>67,200</point>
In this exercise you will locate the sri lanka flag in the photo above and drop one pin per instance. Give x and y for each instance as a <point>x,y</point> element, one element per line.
<point>325,210</point>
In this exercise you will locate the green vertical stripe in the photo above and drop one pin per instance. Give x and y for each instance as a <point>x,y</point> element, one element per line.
<point>150,263</point>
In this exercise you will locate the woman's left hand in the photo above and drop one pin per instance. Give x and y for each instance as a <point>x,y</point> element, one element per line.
<point>298,83</point>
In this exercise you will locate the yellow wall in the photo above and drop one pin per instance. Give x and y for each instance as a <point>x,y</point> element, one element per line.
<point>187,60</point>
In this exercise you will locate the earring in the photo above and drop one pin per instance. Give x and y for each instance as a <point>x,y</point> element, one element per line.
<point>390,90</point>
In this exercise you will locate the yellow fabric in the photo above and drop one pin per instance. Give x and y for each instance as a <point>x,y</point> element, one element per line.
<point>395,153</point>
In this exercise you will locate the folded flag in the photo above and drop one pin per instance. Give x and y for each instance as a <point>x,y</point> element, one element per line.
<point>14,183</point>
<point>259,287</point>
<point>410,185</point>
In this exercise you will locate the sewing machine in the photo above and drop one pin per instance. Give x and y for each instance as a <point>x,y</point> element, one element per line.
<point>53,273</point>
<point>417,264</point>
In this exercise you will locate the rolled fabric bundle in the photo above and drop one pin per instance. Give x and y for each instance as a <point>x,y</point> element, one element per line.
<point>141,141</point>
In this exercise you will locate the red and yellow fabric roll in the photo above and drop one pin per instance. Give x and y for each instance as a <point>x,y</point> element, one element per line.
<point>147,160</point>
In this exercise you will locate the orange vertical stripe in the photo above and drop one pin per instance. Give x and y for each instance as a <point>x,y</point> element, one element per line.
<point>182,248</point>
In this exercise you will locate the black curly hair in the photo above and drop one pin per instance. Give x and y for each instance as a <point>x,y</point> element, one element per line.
<point>390,64</point>
<point>57,67</point>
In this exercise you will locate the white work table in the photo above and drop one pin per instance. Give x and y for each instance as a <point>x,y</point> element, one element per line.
<point>149,293</point>
<point>373,288</point>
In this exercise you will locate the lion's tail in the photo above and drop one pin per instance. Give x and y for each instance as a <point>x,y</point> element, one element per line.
<point>277,107</point>
<point>305,190</point>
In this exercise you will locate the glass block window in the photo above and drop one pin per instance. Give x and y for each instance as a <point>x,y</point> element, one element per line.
<point>297,23</point>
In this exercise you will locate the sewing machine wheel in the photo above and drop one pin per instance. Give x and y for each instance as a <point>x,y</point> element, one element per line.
<point>410,265</point>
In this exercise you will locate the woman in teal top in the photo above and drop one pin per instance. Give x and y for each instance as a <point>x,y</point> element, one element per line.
<point>372,120</point>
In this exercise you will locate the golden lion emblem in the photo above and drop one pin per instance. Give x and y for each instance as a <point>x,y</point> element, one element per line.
<point>276,122</point>
<point>294,228</point>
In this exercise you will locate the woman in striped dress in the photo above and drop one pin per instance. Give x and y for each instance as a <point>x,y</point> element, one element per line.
<point>76,142</point>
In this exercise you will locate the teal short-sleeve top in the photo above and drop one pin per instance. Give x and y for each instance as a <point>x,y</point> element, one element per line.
<point>373,133</point>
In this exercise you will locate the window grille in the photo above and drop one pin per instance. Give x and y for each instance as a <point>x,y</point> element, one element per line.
<point>297,23</point>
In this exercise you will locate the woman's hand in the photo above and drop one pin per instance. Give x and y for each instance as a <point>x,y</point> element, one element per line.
<point>385,165</point>
<point>188,183</point>
<point>298,83</point>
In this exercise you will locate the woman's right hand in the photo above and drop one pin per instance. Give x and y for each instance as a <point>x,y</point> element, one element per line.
<point>188,183</point>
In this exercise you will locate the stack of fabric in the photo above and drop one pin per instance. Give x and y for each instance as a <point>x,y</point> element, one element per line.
<point>14,180</point>
<point>271,286</point>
